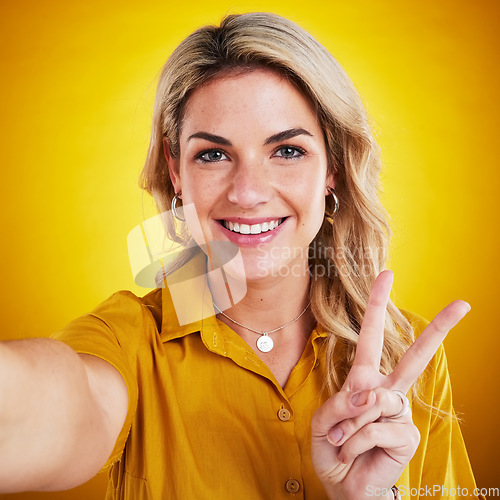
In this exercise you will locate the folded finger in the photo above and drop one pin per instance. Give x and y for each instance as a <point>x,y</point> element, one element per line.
<point>387,404</point>
<point>341,406</point>
<point>398,441</point>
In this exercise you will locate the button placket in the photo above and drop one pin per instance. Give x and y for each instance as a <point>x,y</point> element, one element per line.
<point>290,462</point>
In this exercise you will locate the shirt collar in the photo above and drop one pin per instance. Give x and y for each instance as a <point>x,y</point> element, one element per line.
<point>187,305</point>
<point>170,327</point>
<point>191,298</point>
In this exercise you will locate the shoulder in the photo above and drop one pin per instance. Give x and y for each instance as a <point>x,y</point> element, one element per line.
<point>126,311</point>
<point>121,320</point>
<point>125,304</point>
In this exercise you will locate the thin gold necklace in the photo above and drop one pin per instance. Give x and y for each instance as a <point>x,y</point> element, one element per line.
<point>264,342</point>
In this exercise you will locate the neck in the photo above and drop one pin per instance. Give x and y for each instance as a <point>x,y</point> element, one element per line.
<point>276,298</point>
<point>269,304</point>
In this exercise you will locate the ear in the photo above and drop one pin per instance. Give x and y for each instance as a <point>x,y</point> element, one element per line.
<point>173,166</point>
<point>331,181</point>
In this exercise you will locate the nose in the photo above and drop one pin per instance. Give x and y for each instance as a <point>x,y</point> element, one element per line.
<point>250,185</point>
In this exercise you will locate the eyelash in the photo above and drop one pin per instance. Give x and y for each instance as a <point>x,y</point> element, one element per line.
<point>199,156</point>
<point>298,149</point>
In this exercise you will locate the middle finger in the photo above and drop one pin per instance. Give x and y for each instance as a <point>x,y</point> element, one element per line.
<point>417,357</point>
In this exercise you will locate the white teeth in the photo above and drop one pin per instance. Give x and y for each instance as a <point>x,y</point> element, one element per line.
<point>252,229</point>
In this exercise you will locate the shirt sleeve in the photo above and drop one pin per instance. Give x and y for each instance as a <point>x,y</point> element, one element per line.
<point>440,468</point>
<point>111,332</point>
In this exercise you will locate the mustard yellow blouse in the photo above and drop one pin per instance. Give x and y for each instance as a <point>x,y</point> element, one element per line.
<point>208,420</point>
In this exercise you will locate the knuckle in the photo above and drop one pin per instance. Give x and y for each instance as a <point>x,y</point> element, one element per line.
<point>371,432</point>
<point>383,396</point>
<point>333,410</point>
<point>440,324</point>
<point>348,452</point>
<point>415,436</point>
<point>319,418</point>
<point>412,435</point>
<point>349,426</point>
<point>384,402</point>
<point>317,414</point>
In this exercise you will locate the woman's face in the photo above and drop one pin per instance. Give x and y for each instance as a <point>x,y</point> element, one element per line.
<point>253,162</point>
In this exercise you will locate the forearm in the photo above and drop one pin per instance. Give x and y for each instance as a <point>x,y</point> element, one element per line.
<point>45,406</point>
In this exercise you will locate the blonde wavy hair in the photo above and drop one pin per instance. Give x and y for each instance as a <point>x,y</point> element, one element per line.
<point>353,246</point>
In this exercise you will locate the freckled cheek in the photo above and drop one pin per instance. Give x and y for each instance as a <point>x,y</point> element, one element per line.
<point>205,202</point>
<point>314,218</point>
<point>198,189</point>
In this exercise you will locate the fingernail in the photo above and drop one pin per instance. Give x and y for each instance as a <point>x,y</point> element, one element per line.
<point>360,398</point>
<point>469,307</point>
<point>335,436</point>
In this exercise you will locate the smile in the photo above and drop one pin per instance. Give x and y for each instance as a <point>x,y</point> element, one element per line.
<point>253,228</point>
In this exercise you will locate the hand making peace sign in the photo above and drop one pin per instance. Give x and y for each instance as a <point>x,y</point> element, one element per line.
<point>359,436</point>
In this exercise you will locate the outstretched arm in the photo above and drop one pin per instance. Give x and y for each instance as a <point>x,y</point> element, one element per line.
<point>60,414</point>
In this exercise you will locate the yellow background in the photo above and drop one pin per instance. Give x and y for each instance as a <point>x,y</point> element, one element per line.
<point>76,88</point>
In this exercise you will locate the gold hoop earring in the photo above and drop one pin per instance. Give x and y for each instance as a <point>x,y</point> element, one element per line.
<point>174,209</point>
<point>336,202</point>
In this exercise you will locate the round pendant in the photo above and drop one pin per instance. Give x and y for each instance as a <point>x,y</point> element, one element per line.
<point>265,343</point>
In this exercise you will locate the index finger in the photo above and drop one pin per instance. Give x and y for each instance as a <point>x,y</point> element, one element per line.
<point>371,335</point>
<point>417,357</point>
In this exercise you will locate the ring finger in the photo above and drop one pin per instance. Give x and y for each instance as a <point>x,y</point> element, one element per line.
<point>388,405</point>
<point>399,442</point>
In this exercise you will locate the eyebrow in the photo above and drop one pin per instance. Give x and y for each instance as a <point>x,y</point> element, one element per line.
<point>211,137</point>
<point>280,136</point>
<point>286,134</point>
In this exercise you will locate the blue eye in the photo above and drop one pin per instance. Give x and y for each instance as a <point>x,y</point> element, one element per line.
<point>289,152</point>
<point>211,156</point>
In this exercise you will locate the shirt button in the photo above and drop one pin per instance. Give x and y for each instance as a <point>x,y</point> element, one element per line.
<point>284,414</point>
<point>292,486</point>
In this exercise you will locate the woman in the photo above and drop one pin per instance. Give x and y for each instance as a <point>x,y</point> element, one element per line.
<point>297,388</point>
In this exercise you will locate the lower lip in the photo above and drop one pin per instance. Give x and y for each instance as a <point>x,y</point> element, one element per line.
<point>252,240</point>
